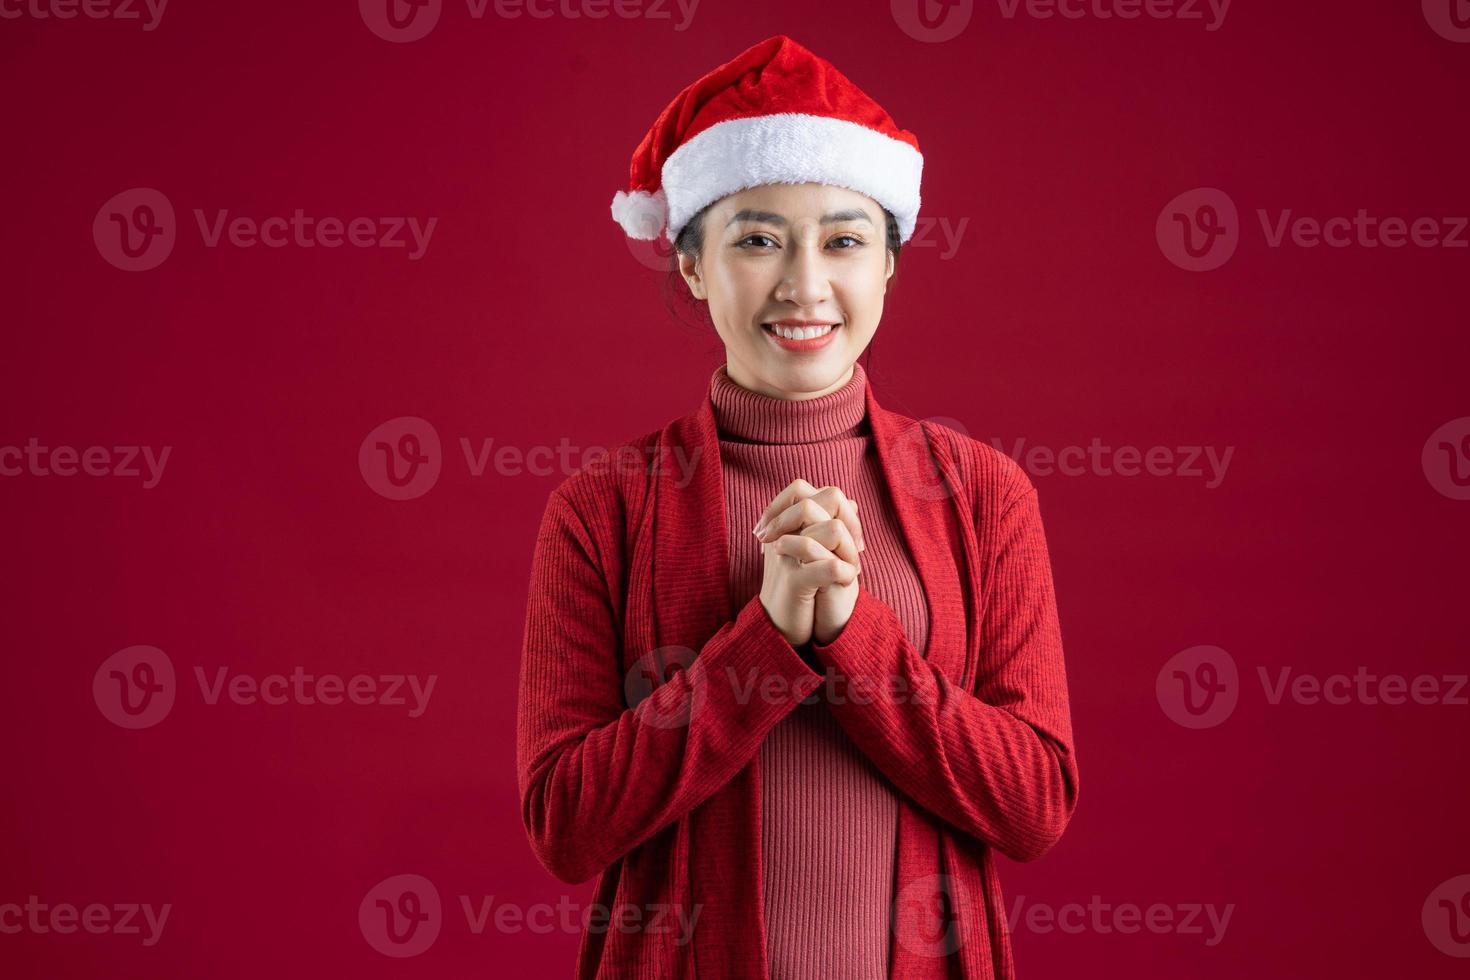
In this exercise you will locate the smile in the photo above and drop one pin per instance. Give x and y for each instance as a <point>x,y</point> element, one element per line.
<point>801,339</point>
<point>800,333</point>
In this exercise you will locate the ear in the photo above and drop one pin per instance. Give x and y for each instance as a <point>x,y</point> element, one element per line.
<point>689,269</point>
<point>888,253</point>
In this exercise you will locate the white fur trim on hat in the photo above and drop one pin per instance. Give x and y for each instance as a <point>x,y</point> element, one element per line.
<point>791,148</point>
<point>641,214</point>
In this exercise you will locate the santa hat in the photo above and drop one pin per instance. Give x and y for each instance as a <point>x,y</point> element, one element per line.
<point>776,114</point>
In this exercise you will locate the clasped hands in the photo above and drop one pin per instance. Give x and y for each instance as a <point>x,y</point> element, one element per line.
<point>810,539</point>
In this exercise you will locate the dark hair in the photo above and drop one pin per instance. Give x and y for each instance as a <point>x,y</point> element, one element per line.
<point>691,242</point>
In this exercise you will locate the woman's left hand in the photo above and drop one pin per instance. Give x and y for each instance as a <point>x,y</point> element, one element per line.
<point>835,601</point>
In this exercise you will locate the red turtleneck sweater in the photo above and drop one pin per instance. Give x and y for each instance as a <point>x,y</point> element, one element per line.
<point>660,790</point>
<point>829,819</point>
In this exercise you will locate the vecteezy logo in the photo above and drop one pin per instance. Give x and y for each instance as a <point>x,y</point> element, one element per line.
<point>927,914</point>
<point>1199,687</point>
<point>1450,19</point>
<point>401,916</point>
<point>400,21</point>
<point>932,21</point>
<point>922,477</point>
<point>1446,917</point>
<point>1446,459</point>
<point>401,458</point>
<point>653,253</point>
<point>134,688</point>
<point>1199,230</point>
<point>135,230</point>
<point>652,671</point>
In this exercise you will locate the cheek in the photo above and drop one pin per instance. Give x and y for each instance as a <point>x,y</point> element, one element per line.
<point>735,287</point>
<point>862,296</point>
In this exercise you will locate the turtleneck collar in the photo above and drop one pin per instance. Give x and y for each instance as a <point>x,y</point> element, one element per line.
<point>752,417</point>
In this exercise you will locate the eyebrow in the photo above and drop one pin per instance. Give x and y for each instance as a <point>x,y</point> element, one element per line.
<point>771,218</point>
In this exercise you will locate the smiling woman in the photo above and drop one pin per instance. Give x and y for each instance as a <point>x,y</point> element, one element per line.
<point>806,692</point>
<point>791,268</point>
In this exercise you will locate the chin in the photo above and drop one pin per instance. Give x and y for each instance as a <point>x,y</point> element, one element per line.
<point>804,379</point>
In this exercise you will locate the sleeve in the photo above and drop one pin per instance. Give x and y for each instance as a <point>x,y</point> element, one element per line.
<point>597,777</point>
<point>998,763</point>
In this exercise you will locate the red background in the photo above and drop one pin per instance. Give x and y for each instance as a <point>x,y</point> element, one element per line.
<point>529,320</point>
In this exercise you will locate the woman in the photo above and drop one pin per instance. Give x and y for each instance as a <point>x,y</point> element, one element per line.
<point>792,664</point>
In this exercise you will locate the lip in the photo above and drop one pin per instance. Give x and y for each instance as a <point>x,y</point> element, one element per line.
<point>802,346</point>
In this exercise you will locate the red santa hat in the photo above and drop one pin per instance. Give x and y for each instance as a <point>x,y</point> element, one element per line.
<point>776,114</point>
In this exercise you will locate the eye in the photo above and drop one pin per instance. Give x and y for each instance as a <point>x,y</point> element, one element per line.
<point>762,240</point>
<point>761,235</point>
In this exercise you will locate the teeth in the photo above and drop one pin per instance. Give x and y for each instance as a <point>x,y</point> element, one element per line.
<point>801,333</point>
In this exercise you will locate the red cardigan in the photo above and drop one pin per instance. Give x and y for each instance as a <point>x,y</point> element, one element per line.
<point>660,799</point>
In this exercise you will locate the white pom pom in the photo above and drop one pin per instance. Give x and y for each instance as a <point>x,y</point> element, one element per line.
<point>641,214</point>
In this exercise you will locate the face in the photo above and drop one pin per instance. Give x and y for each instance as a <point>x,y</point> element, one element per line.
<point>792,252</point>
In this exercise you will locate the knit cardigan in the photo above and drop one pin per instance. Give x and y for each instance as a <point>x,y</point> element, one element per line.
<point>645,695</point>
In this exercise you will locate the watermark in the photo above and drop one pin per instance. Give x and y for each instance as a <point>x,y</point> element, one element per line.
<point>306,231</point>
<point>935,21</point>
<point>1096,459</point>
<point>938,232</point>
<point>650,679</point>
<point>1446,459</point>
<point>932,21</point>
<point>1209,13</point>
<point>137,687</point>
<point>653,253</point>
<point>1200,229</point>
<point>402,459</point>
<point>565,459</point>
<point>1363,687</point>
<point>1203,919</point>
<point>1200,687</point>
<point>405,21</point>
<point>652,676</point>
<point>1446,917</point>
<point>1450,19</point>
<point>919,472</point>
<point>570,918</point>
<point>136,230</point>
<point>63,918</point>
<point>123,462</point>
<point>834,687</point>
<point>922,477</point>
<point>301,688</point>
<point>1362,230</point>
<point>927,913</point>
<point>403,915</point>
<point>148,13</point>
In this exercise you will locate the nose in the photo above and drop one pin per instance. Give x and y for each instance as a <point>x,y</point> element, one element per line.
<point>806,283</point>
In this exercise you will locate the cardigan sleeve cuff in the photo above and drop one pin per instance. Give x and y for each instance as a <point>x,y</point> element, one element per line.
<point>868,644</point>
<point>761,663</point>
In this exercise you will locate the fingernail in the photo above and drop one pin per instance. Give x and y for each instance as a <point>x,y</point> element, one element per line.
<point>759,527</point>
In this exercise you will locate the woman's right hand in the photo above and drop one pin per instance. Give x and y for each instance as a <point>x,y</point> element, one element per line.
<point>797,565</point>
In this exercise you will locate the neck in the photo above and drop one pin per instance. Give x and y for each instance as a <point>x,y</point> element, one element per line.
<point>738,375</point>
<point>745,415</point>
